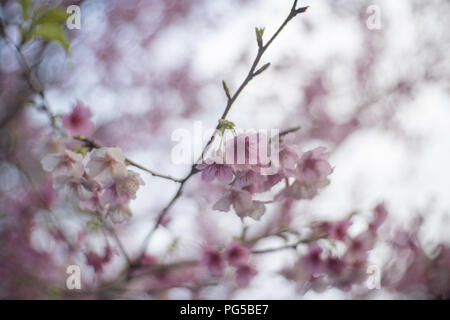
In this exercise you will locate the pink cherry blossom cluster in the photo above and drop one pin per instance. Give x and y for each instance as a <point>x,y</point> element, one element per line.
<point>342,264</point>
<point>235,255</point>
<point>308,172</point>
<point>99,182</point>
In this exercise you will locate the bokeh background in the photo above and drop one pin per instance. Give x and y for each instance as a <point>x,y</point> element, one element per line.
<point>377,99</point>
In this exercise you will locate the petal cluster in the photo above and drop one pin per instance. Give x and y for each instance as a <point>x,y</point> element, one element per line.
<point>99,183</point>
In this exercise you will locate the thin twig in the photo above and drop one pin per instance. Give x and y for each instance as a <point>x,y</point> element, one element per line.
<point>91,144</point>
<point>35,85</point>
<point>294,245</point>
<point>119,243</point>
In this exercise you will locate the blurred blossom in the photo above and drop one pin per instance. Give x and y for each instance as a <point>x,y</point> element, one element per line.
<point>78,122</point>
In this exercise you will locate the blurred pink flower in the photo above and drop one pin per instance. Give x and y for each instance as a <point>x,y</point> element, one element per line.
<point>244,273</point>
<point>236,254</point>
<point>78,122</point>
<point>129,184</point>
<point>240,199</point>
<point>313,166</point>
<point>242,203</point>
<point>65,164</point>
<point>380,214</point>
<point>215,168</point>
<point>107,164</point>
<point>98,261</point>
<point>246,152</point>
<point>119,213</point>
<point>213,260</point>
<point>289,156</point>
<point>312,261</point>
<point>247,178</point>
<point>338,230</point>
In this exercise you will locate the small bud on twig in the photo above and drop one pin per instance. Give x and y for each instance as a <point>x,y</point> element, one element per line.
<point>259,34</point>
<point>225,88</point>
<point>300,10</point>
<point>262,69</point>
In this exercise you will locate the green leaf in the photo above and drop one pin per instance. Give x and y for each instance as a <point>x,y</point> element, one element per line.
<point>54,15</point>
<point>225,125</point>
<point>52,32</point>
<point>81,150</point>
<point>25,4</point>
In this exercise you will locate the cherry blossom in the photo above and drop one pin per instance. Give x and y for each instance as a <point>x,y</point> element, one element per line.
<point>242,203</point>
<point>236,254</point>
<point>213,260</point>
<point>244,273</point>
<point>78,122</point>
<point>129,185</point>
<point>119,213</point>
<point>214,168</point>
<point>312,261</point>
<point>65,164</point>
<point>313,167</point>
<point>107,164</point>
<point>246,152</point>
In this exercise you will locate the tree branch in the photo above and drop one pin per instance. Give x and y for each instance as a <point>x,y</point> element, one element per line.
<point>251,74</point>
<point>91,144</point>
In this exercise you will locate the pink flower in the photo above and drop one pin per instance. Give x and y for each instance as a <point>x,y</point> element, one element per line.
<point>313,167</point>
<point>128,185</point>
<point>82,188</point>
<point>300,190</point>
<point>113,198</point>
<point>107,164</point>
<point>47,193</point>
<point>290,155</point>
<point>148,260</point>
<point>94,203</point>
<point>75,187</point>
<point>247,151</point>
<point>120,213</point>
<point>242,203</point>
<point>213,260</point>
<point>236,254</point>
<point>358,248</point>
<point>312,261</point>
<point>98,261</point>
<point>338,230</point>
<point>78,122</point>
<point>214,168</point>
<point>334,266</point>
<point>264,184</point>
<point>380,214</point>
<point>240,199</point>
<point>247,178</point>
<point>65,164</point>
<point>244,273</point>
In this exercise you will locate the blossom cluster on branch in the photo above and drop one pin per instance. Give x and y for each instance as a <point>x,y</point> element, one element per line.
<point>100,182</point>
<point>246,170</point>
